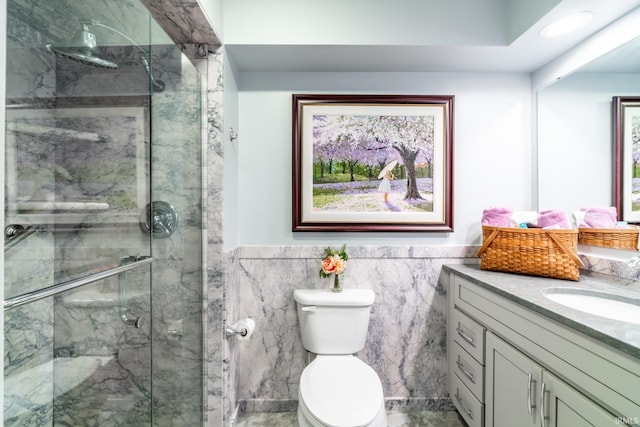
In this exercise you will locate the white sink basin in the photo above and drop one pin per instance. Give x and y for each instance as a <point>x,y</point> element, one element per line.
<point>611,306</point>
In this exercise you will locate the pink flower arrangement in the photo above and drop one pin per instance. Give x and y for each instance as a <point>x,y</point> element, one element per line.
<point>334,261</point>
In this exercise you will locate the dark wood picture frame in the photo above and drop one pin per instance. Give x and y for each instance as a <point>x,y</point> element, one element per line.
<point>342,146</point>
<point>626,157</point>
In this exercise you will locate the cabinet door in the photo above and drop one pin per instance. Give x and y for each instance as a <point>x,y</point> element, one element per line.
<point>563,406</point>
<point>511,386</point>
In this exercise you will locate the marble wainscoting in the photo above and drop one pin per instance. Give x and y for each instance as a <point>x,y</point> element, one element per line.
<point>599,264</point>
<point>231,345</point>
<point>406,344</point>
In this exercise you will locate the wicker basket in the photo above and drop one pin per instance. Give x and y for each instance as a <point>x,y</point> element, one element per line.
<point>532,251</point>
<point>616,238</point>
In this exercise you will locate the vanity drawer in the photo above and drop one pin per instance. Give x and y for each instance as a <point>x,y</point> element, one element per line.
<point>468,406</point>
<point>469,334</point>
<point>468,370</point>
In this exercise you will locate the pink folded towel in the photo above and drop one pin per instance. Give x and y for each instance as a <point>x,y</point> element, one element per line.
<point>553,218</point>
<point>601,217</point>
<point>497,217</point>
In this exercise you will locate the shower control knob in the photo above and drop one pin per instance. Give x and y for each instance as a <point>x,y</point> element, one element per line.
<point>159,218</point>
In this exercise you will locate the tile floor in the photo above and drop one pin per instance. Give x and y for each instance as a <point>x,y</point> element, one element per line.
<point>395,419</point>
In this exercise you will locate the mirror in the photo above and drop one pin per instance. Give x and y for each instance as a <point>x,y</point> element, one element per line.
<point>574,125</point>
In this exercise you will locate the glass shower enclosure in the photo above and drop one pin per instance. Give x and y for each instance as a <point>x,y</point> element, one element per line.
<point>102,219</point>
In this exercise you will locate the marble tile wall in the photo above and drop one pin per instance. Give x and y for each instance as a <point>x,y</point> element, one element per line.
<point>407,330</point>
<point>118,354</point>
<point>215,386</point>
<point>407,334</point>
<point>232,346</point>
<point>612,267</point>
<point>177,274</point>
<point>24,49</point>
<point>28,369</point>
<point>29,264</point>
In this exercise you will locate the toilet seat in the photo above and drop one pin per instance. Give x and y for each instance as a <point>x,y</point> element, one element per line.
<point>341,391</point>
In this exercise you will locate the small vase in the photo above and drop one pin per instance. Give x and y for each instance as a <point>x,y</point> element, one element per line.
<point>337,286</point>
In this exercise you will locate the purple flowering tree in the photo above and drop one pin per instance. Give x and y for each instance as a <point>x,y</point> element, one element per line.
<point>375,141</point>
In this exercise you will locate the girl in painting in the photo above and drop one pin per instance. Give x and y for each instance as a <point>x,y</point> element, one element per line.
<point>385,185</point>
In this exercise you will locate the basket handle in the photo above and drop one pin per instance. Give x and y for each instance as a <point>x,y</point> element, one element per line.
<point>573,256</point>
<point>488,241</point>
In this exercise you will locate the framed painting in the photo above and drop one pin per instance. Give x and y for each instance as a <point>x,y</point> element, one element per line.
<point>373,163</point>
<point>626,158</point>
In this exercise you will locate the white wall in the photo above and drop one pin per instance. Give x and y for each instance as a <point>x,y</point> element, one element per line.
<point>364,22</point>
<point>575,139</point>
<point>492,148</point>
<point>213,10</point>
<point>231,152</point>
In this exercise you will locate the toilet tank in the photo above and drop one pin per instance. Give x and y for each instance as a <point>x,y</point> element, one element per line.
<point>333,322</point>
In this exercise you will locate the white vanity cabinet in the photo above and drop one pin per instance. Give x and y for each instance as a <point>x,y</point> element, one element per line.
<point>529,370</point>
<point>521,393</point>
<point>512,383</point>
<point>466,361</point>
<point>564,406</point>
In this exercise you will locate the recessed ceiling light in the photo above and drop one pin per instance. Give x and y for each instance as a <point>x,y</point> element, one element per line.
<point>566,24</point>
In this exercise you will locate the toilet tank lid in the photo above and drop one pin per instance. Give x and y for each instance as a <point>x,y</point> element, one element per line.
<point>325,297</point>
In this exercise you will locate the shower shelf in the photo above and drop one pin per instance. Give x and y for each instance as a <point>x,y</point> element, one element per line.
<point>23,299</point>
<point>44,206</point>
<point>53,132</point>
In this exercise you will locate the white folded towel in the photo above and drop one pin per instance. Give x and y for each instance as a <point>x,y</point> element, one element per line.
<point>577,218</point>
<point>524,217</point>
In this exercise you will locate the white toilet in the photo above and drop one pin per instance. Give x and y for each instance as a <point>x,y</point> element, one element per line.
<point>337,389</point>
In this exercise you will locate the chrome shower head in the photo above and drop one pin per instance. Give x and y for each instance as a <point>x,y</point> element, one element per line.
<point>81,48</point>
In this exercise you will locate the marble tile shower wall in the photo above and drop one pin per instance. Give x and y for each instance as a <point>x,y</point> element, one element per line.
<point>177,272</point>
<point>22,42</point>
<point>94,331</point>
<point>28,354</point>
<point>216,288</point>
<point>407,332</point>
<point>177,275</point>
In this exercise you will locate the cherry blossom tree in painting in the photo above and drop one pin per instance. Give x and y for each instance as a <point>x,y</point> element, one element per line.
<point>375,141</point>
<point>635,159</point>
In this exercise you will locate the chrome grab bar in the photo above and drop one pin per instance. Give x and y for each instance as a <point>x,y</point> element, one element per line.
<point>39,294</point>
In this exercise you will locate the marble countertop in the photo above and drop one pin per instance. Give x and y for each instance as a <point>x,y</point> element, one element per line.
<point>527,291</point>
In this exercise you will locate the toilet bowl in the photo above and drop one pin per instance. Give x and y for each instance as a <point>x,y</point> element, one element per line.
<point>340,391</point>
<point>337,389</point>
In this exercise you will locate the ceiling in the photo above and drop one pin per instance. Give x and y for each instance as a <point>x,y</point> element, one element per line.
<point>404,35</point>
<point>623,60</point>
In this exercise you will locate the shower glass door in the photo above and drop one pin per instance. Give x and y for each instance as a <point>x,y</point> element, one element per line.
<point>103,248</point>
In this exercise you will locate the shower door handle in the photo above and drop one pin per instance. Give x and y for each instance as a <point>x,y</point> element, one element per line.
<point>138,322</point>
<point>128,263</point>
